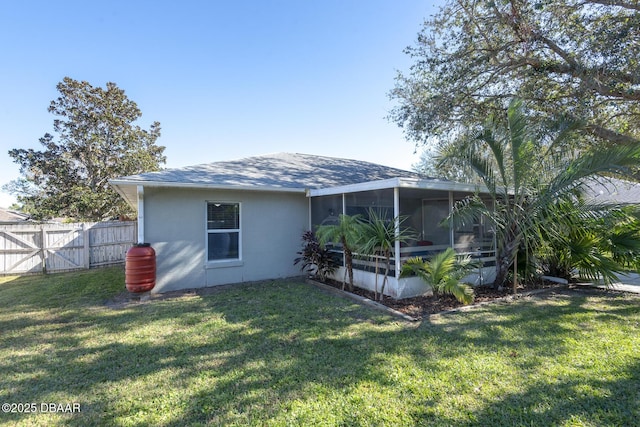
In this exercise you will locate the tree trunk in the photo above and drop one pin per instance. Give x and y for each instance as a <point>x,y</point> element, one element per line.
<point>386,275</point>
<point>515,274</point>
<point>348,261</point>
<point>375,294</point>
<point>502,268</point>
<point>504,259</point>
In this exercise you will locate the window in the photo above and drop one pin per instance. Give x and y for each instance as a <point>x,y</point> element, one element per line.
<point>223,231</point>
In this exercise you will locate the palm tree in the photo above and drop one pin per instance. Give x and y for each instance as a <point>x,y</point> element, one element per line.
<point>596,246</point>
<point>378,237</point>
<point>526,172</point>
<point>443,273</point>
<point>346,232</point>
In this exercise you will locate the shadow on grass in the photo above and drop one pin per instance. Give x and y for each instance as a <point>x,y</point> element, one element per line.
<point>568,401</point>
<point>287,353</point>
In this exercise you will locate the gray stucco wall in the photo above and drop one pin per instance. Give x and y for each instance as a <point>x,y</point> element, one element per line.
<point>175,225</point>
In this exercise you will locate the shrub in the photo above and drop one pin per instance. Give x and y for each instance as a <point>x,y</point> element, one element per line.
<point>443,273</point>
<point>315,258</point>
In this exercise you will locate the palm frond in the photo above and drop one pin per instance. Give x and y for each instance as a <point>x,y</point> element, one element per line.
<point>466,212</point>
<point>443,273</point>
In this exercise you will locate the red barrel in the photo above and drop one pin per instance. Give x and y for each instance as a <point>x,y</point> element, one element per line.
<point>140,268</point>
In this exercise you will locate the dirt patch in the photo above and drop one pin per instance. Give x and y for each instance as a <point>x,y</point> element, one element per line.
<point>127,299</point>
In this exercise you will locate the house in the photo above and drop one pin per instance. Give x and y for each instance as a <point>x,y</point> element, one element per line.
<point>242,220</point>
<point>613,190</point>
<point>9,216</point>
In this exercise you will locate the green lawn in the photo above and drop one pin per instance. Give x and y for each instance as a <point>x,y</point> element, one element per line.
<point>285,353</point>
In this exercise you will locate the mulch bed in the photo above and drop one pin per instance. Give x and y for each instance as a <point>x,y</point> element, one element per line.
<point>421,306</point>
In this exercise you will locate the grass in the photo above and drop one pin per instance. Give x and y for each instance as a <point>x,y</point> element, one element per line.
<point>284,353</point>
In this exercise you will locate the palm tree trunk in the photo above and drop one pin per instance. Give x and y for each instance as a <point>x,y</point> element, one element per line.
<point>348,261</point>
<point>375,294</point>
<point>502,267</point>
<point>386,275</point>
<point>515,274</point>
<point>504,261</point>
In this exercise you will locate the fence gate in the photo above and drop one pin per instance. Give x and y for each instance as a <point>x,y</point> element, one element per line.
<point>21,249</point>
<point>36,248</point>
<point>65,248</point>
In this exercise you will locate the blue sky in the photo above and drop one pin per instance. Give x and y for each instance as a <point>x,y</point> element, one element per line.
<point>226,79</point>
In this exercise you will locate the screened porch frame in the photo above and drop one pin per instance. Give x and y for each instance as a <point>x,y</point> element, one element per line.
<point>400,194</point>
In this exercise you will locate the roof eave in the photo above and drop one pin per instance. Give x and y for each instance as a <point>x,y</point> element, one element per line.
<point>436,184</point>
<point>160,184</point>
<point>425,184</point>
<point>130,197</point>
<point>352,188</point>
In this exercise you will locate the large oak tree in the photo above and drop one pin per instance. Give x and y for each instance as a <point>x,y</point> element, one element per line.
<point>577,59</point>
<point>96,140</point>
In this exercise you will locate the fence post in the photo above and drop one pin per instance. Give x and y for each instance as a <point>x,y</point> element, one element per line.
<point>43,248</point>
<point>86,244</point>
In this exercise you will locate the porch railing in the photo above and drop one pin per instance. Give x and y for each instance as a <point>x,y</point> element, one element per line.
<point>483,255</point>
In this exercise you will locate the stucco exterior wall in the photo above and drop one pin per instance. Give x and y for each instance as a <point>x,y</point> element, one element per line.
<point>175,224</point>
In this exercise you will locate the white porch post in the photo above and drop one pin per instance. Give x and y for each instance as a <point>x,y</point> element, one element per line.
<point>396,215</point>
<point>310,223</point>
<point>344,204</point>
<point>452,238</point>
<point>141,214</point>
<point>344,212</point>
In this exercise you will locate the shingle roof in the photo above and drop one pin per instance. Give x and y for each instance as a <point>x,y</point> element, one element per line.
<point>612,190</point>
<point>10,216</point>
<point>281,170</point>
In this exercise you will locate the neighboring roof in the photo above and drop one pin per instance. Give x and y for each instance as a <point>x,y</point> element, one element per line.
<point>611,190</point>
<point>11,216</point>
<point>272,172</point>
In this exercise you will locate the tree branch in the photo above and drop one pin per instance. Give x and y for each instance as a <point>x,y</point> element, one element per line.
<point>572,66</point>
<point>610,135</point>
<point>585,75</point>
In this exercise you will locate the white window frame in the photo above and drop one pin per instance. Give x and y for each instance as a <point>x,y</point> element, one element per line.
<point>225,262</point>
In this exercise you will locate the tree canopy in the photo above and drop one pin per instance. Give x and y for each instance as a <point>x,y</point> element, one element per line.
<point>578,59</point>
<point>96,140</point>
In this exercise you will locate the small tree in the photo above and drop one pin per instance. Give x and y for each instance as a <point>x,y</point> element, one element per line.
<point>377,237</point>
<point>346,233</point>
<point>443,273</point>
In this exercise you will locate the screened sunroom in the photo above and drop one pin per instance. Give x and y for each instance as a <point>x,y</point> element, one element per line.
<point>424,203</point>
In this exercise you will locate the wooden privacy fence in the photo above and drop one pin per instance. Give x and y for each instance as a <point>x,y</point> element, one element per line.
<point>38,248</point>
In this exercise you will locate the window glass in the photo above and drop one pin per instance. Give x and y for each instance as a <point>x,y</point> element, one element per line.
<point>223,246</point>
<point>223,216</point>
<point>223,231</point>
